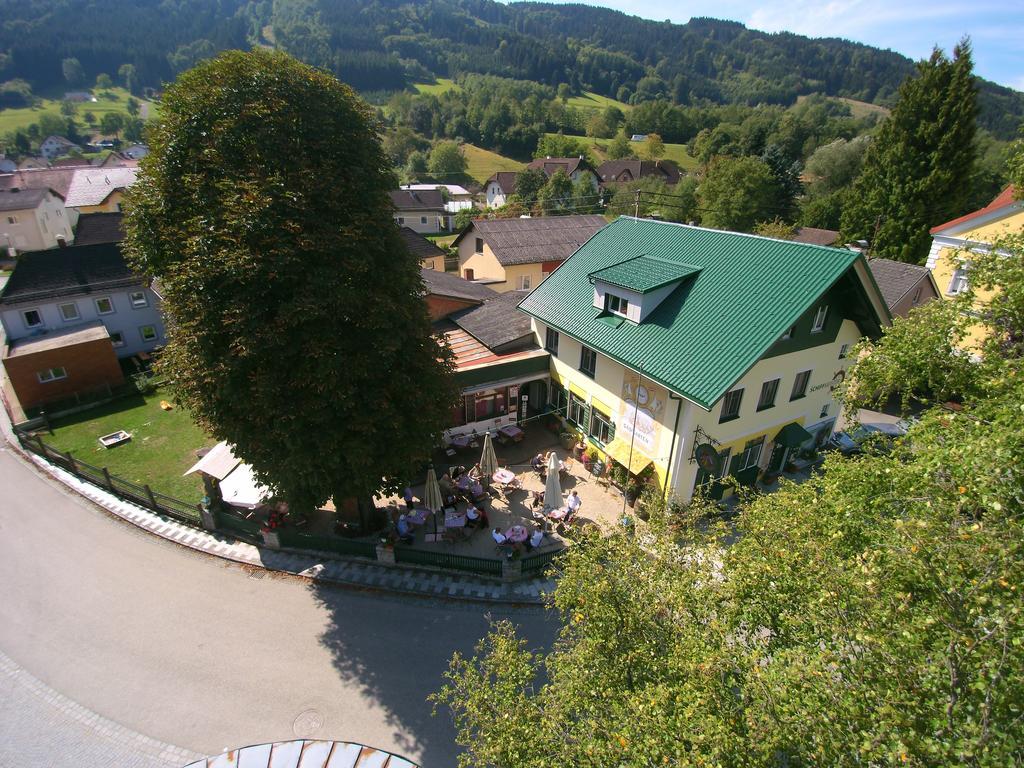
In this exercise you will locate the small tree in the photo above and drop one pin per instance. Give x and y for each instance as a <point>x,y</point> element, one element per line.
<point>529,183</point>
<point>654,147</point>
<point>447,162</point>
<point>297,328</point>
<point>556,195</point>
<point>73,72</point>
<point>127,74</point>
<point>620,148</point>
<point>776,228</point>
<point>68,108</point>
<point>736,193</point>
<point>112,123</point>
<point>103,81</point>
<point>132,106</point>
<point>89,117</point>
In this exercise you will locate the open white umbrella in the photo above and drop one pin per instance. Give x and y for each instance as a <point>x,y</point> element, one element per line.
<point>432,496</point>
<point>552,488</point>
<point>488,461</point>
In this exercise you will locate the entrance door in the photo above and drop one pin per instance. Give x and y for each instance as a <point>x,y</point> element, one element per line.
<point>537,392</point>
<point>778,460</point>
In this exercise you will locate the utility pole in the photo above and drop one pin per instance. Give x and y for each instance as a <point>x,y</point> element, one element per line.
<point>636,204</point>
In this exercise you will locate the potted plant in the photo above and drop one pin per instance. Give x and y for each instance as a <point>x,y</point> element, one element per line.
<point>568,440</point>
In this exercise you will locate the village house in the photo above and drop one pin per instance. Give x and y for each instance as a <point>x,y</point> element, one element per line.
<point>56,179</point>
<point>96,228</point>
<point>421,211</point>
<point>99,190</point>
<point>55,146</point>
<point>949,258</point>
<point>68,314</point>
<point>428,254</point>
<point>33,220</point>
<point>517,254</point>
<point>686,354</point>
<point>503,183</point>
<point>903,286</point>
<point>815,236</point>
<point>614,172</point>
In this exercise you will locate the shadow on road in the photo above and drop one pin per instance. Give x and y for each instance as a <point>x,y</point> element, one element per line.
<point>396,650</point>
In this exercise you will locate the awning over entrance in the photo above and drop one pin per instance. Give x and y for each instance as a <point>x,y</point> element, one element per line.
<point>619,450</point>
<point>793,435</point>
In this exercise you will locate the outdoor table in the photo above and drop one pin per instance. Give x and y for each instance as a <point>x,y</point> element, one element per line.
<point>512,431</point>
<point>462,441</point>
<point>454,521</point>
<point>558,514</point>
<point>517,534</point>
<point>503,476</point>
<point>418,517</point>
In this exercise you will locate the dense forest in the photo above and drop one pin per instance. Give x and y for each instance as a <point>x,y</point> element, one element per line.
<point>384,45</point>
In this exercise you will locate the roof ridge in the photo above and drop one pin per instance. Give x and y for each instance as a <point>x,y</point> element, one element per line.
<point>742,234</point>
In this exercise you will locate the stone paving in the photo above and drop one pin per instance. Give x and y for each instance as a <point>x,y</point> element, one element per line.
<point>41,727</point>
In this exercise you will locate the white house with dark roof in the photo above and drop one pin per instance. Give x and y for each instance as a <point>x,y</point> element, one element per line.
<point>33,220</point>
<point>68,314</point>
<point>420,210</point>
<point>55,146</point>
<point>517,254</point>
<point>503,183</point>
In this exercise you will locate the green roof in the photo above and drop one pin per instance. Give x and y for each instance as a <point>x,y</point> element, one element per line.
<point>708,331</point>
<point>643,273</point>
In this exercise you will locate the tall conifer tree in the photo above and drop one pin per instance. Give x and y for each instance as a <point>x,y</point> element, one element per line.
<point>916,171</point>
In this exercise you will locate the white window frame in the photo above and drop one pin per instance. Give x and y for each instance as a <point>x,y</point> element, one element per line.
<point>746,462</point>
<point>136,304</point>
<point>24,318</point>
<point>142,333</point>
<point>64,317</point>
<point>114,342</point>
<point>843,351</point>
<point>958,282</point>
<point>109,301</point>
<point>819,319</point>
<point>615,304</point>
<point>50,374</point>
<point>423,219</point>
<point>525,282</point>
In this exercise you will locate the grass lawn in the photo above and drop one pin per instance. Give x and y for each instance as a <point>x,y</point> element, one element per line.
<point>12,119</point>
<point>592,101</point>
<point>161,449</point>
<point>442,241</point>
<point>443,85</point>
<point>674,152</point>
<point>858,109</point>
<point>481,163</point>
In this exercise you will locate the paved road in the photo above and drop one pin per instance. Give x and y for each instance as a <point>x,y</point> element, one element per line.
<point>203,654</point>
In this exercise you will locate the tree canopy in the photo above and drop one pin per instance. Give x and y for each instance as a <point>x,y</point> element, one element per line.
<point>868,616</point>
<point>738,192</point>
<point>917,169</point>
<point>296,327</point>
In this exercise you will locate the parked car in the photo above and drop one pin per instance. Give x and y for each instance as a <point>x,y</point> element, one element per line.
<point>852,442</point>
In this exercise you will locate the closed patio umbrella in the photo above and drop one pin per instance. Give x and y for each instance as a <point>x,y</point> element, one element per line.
<point>432,496</point>
<point>488,461</point>
<point>552,488</point>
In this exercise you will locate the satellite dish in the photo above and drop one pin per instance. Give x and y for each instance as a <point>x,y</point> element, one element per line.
<point>708,458</point>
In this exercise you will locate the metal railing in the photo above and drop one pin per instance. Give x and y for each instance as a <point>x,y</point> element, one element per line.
<point>537,564</point>
<point>350,547</point>
<point>449,561</point>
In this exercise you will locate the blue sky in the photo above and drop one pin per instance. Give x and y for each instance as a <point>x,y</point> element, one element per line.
<point>911,27</point>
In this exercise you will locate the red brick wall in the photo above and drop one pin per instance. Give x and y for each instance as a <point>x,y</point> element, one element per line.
<point>441,306</point>
<point>89,365</point>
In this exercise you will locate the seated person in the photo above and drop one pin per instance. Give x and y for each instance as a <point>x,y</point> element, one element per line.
<point>446,485</point>
<point>476,517</point>
<point>499,537</point>
<point>404,530</point>
<point>463,482</point>
<point>536,538</point>
<point>449,504</point>
<point>476,489</point>
<point>538,499</point>
<point>537,462</point>
<point>476,473</point>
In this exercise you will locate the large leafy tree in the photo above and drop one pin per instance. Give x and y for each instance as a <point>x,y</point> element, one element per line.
<point>297,331</point>
<point>869,616</point>
<point>916,170</point>
<point>738,192</point>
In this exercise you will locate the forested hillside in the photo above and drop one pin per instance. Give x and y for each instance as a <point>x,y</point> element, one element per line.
<point>385,45</point>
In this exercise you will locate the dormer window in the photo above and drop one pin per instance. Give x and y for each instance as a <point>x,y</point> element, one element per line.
<point>616,304</point>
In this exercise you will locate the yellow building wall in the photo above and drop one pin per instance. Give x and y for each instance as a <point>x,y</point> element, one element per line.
<point>672,465</point>
<point>950,257</point>
<point>485,265</point>
<point>111,205</point>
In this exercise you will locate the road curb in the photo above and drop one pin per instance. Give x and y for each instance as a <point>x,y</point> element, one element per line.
<point>350,573</point>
